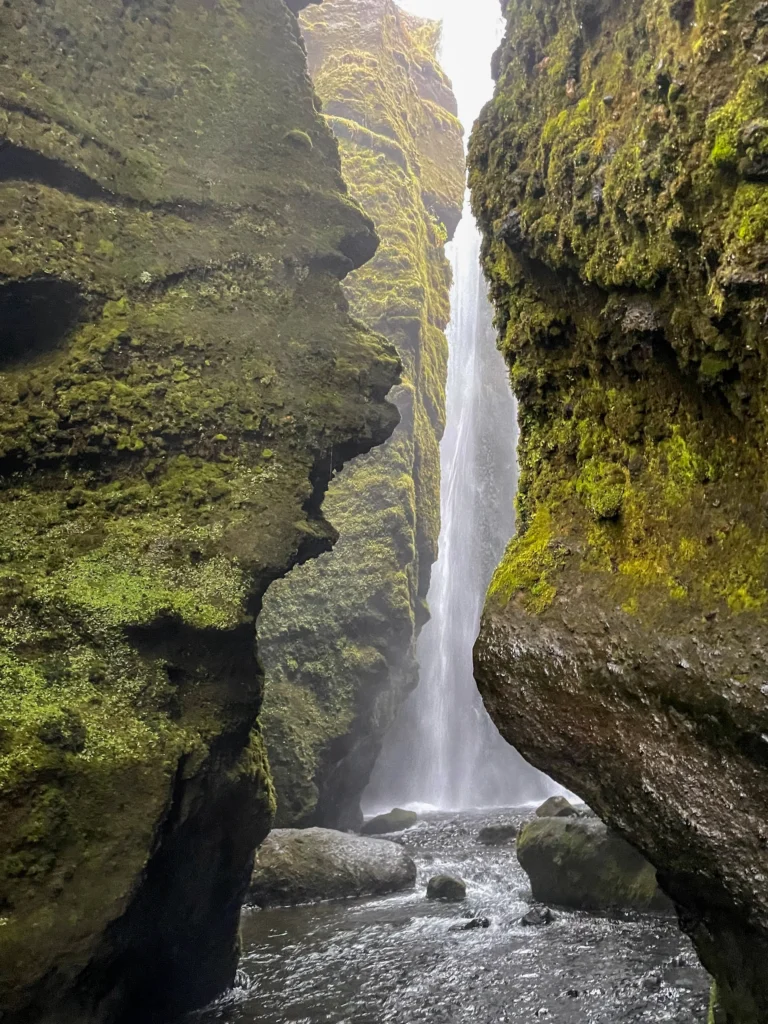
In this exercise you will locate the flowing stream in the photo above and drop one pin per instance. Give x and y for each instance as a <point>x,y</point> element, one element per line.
<point>443,750</point>
<point>402,959</point>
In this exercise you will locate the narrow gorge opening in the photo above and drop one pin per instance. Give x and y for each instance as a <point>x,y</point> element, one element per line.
<point>443,752</point>
<point>383,512</point>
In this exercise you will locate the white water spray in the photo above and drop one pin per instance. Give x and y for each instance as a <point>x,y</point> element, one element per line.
<point>444,750</point>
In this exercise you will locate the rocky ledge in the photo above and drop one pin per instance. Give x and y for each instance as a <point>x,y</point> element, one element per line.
<point>179,379</point>
<point>619,176</point>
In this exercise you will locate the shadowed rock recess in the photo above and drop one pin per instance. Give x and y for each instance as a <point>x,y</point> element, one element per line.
<point>338,635</point>
<point>179,376</point>
<point>619,176</point>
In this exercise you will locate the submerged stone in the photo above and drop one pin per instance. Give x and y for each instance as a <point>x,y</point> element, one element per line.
<point>304,865</point>
<point>471,925</point>
<point>536,917</point>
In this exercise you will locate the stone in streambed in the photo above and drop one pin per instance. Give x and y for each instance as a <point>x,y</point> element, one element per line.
<point>302,865</point>
<point>582,864</point>
<point>495,835</point>
<point>556,807</point>
<point>470,925</point>
<point>396,820</point>
<point>536,917</point>
<point>446,888</point>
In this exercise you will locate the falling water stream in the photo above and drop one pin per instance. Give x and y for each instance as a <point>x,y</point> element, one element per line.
<point>443,750</point>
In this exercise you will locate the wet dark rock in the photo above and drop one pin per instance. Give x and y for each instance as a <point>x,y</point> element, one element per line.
<point>681,10</point>
<point>446,888</point>
<point>582,864</point>
<point>511,230</point>
<point>396,820</point>
<point>537,916</point>
<point>556,807</point>
<point>304,865</point>
<point>640,318</point>
<point>471,925</point>
<point>494,835</point>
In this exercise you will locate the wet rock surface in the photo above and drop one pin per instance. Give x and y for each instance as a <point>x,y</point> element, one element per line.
<point>536,917</point>
<point>396,820</point>
<point>304,865</point>
<point>495,835</point>
<point>582,864</point>
<point>395,960</point>
<point>556,807</point>
<point>446,888</point>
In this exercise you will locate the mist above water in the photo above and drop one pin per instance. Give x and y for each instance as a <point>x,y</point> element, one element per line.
<point>444,751</point>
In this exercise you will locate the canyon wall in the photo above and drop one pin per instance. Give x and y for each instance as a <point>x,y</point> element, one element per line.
<point>338,635</point>
<point>180,378</point>
<point>619,176</point>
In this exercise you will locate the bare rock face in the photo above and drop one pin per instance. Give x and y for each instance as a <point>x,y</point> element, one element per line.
<point>179,377</point>
<point>617,176</point>
<point>303,865</point>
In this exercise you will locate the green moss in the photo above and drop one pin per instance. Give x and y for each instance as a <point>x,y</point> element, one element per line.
<point>529,565</point>
<point>299,138</point>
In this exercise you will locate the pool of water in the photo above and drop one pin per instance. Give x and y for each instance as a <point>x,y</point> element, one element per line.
<point>401,960</point>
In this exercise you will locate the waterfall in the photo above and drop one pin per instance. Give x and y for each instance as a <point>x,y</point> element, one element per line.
<point>444,750</point>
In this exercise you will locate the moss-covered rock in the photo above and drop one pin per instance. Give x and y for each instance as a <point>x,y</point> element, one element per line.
<point>179,378</point>
<point>337,635</point>
<point>617,176</point>
<point>583,865</point>
<point>396,820</point>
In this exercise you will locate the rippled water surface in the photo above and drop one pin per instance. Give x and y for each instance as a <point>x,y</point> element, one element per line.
<point>396,960</point>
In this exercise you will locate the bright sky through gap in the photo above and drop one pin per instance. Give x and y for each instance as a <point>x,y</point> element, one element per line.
<point>472,30</point>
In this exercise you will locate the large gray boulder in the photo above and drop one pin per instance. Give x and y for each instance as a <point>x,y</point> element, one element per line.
<point>303,865</point>
<point>580,863</point>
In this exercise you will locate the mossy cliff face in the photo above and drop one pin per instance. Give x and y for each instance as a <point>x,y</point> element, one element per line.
<point>337,635</point>
<point>620,178</point>
<point>179,375</point>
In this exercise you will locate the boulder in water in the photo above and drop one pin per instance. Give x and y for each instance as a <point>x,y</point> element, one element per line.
<point>396,820</point>
<point>556,807</point>
<point>582,864</point>
<point>495,835</point>
<point>446,888</point>
<point>301,865</point>
<point>471,924</point>
<point>536,917</point>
